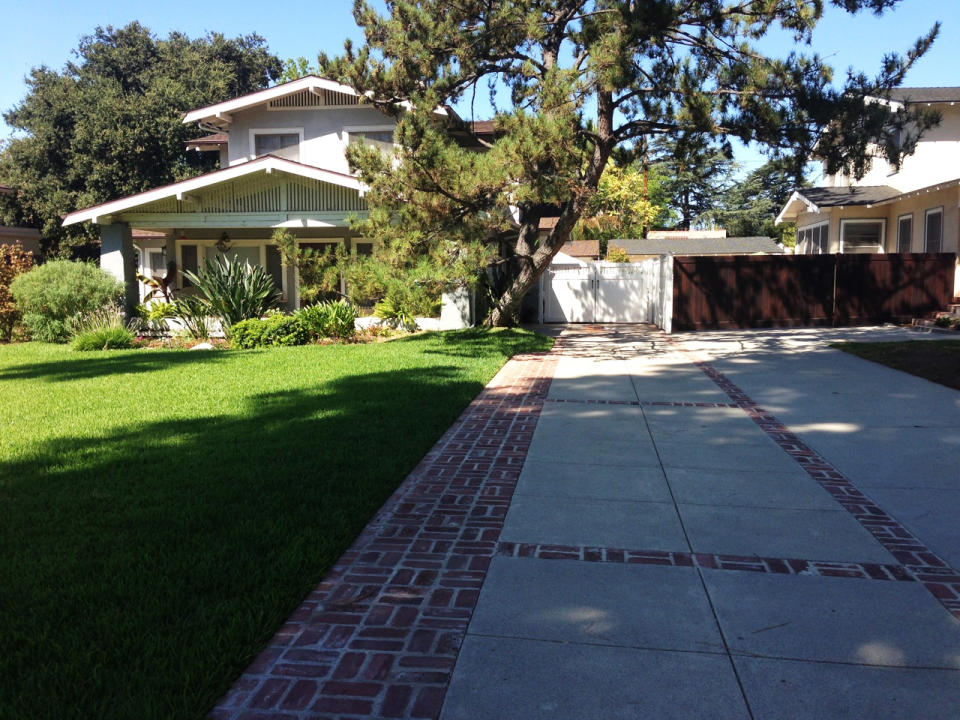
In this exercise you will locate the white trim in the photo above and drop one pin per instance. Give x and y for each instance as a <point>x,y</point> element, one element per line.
<point>863,221</point>
<point>101,213</point>
<point>926,223</point>
<point>252,136</point>
<point>811,226</point>
<point>310,82</point>
<point>899,218</point>
<point>795,196</point>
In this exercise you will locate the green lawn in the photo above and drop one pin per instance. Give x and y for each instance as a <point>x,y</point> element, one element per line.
<point>162,512</point>
<point>934,360</point>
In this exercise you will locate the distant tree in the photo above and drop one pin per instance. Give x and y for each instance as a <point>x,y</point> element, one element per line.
<point>630,199</point>
<point>587,78</point>
<point>109,123</point>
<point>750,206</point>
<point>14,261</point>
<point>697,172</point>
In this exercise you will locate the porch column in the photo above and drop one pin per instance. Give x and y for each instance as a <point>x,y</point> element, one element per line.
<point>117,258</point>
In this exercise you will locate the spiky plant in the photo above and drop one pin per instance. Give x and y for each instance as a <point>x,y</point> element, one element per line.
<point>234,290</point>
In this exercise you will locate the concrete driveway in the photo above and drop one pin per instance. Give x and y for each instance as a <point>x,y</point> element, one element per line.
<point>726,525</point>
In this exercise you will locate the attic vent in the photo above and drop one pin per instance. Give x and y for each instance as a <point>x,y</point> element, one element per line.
<point>308,99</point>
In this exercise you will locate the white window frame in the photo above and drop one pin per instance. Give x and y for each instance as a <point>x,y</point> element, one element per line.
<point>863,221</point>
<point>253,132</point>
<point>347,129</point>
<point>811,227</point>
<point>910,239</point>
<point>926,226</point>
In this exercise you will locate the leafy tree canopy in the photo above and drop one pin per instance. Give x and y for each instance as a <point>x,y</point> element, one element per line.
<point>109,123</point>
<point>749,207</point>
<point>697,171</point>
<point>630,199</point>
<point>587,78</point>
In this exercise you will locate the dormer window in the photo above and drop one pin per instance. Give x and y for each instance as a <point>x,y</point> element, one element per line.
<point>282,142</point>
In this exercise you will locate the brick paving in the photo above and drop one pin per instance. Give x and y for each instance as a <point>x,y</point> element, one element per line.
<point>379,636</point>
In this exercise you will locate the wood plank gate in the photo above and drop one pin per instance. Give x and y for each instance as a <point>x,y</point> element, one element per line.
<point>603,292</point>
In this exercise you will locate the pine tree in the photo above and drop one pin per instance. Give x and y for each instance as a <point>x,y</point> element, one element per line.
<point>586,79</point>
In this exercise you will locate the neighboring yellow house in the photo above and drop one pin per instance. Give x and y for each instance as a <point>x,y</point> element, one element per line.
<point>915,209</point>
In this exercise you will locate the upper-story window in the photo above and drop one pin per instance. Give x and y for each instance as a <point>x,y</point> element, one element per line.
<point>283,142</point>
<point>378,136</point>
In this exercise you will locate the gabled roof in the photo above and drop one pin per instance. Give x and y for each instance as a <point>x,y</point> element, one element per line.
<point>700,246</point>
<point>267,163</point>
<point>219,114</point>
<point>815,198</point>
<point>582,248</point>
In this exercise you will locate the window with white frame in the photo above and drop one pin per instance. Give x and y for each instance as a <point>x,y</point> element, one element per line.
<point>904,233</point>
<point>281,142</point>
<point>378,136</point>
<point>862,236</point>
<point>813,239</point>
<point>933,231</point>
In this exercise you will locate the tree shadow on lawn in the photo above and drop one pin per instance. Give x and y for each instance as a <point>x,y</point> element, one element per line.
<point>140,573</point>
<point>472,342</point>
<point>118,362</point>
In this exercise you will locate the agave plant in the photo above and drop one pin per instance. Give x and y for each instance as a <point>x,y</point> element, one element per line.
<point>234,290</point>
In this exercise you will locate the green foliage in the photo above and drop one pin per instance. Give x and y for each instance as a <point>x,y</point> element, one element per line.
<point>697,171</point>
<point>14,261</point>
<point>104,329</point>
<point>750,206</point>
<point>273,331</point>
<point>194,314</point>
<point>396,313</point>
<point>630,200</point>
<point>587,82</point>
<point>617,254</point>
<point>234,290</point>
<point>53,297</point>
<point>330,319</point>
<point>319,272</point>
<point>109,123</point>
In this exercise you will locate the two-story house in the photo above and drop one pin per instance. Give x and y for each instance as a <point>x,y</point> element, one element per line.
<point>282,165</point>
<point>913,209</point>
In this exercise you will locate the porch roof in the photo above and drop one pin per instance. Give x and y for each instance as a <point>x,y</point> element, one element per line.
<point>180,191</point>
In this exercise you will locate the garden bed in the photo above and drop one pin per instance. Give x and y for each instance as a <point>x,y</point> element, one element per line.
<point>164,511</point>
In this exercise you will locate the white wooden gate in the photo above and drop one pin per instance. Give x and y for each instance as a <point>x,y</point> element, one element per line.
<point>605,292</point>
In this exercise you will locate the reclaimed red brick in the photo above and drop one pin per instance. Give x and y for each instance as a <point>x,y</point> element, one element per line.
<point>395,701</point>
<point>428,703</point>
<point>300,695</point>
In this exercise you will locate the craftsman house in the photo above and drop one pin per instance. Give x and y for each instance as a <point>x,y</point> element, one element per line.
<point>913,209</point>
<point>282,165</point>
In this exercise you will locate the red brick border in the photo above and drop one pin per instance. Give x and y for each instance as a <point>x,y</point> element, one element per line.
<point>934,572</point>
<point>752,563</point>
<point>380,635</point>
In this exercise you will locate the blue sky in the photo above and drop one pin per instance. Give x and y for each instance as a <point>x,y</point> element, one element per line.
<point>44,32</point>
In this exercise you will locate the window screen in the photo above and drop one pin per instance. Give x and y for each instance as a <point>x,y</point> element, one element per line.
<point>275,265</point>
<point>243,254</point>
<point>364,248</point>
<point>904,233</point>
<point>285,145</point>
<point>863,237</point>
<point>934,231</point>
<point>382,139</point>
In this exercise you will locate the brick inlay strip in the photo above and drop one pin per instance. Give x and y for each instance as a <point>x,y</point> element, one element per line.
<point>934,572</point>
<point>380,635</point>
<point>644,403</point>
<point>780,566</point>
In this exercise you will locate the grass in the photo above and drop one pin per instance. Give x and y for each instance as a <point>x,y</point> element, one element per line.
<point>934,360</point>
<point>161,513</point>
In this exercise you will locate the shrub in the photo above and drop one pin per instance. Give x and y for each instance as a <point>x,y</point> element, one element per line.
<point>103,330</point>
<point>617,254</point>
<point>54,296</point>
<point>395,313</point>
<point>330,319</point>
<point>14,261</point>
<point>235,290</point>
<point>269,332</point>
<point>193,313</point>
